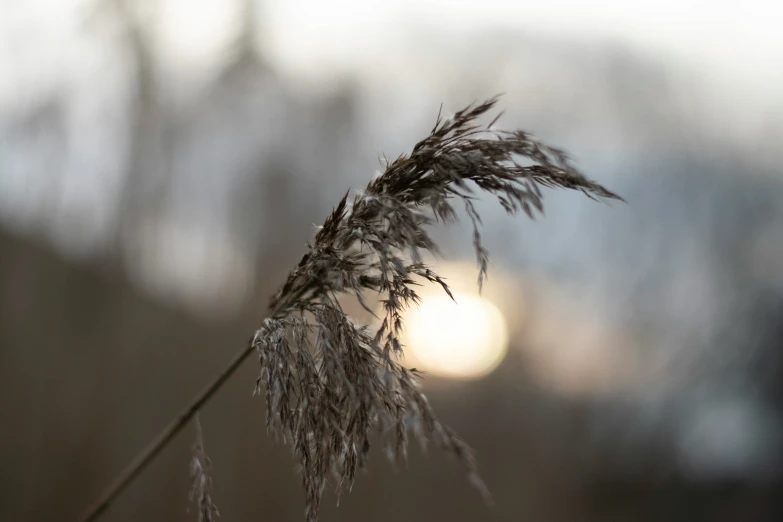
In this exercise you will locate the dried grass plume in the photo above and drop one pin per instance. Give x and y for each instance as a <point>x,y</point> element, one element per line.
<point>201,479</point>
<point>329,383</point>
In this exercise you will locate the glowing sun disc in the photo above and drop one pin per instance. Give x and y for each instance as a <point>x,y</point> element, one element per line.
<point>466,339</point>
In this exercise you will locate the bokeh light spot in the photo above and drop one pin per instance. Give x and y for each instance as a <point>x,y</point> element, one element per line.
<point>466,339</point>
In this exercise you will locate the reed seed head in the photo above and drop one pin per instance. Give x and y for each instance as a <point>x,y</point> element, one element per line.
<point>330,383</point>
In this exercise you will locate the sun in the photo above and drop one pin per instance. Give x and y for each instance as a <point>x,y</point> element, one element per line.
<point>463,339</point>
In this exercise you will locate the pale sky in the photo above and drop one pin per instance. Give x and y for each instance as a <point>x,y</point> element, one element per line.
<point>739,42</point>
<point>742,41</point>
<point>48,52</point>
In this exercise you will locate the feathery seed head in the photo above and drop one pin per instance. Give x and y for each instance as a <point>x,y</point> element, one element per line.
<point>329,383</point>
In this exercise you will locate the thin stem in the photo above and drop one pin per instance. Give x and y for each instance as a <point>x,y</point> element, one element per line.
<point>154,448</point>
<point>148,454</point>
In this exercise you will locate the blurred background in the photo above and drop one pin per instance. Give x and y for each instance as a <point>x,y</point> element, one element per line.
<point>162,164</point>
